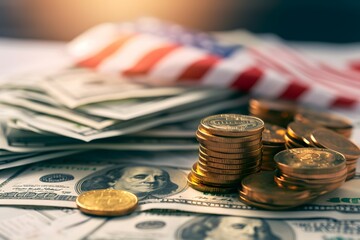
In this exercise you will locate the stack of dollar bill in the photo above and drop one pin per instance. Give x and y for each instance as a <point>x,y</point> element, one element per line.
<point>43,117</point>
<point>75,117</point>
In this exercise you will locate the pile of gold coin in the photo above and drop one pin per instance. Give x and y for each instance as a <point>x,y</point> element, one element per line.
<point>273,142</point>
<point>302,174</point>
<point>316,169</point>
<point>298,135</point>
<point>275,112</point>
<point>328,120</point>
<point>230,149</point>
<point>260,190</point>
<point>325,138</point>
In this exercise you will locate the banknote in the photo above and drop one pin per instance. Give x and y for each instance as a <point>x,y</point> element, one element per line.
<point>186,226</point>
<point>77,131</point>
<point>77,87</point>
<point>31,143</point>
<point>41,223</point>
<point>157,184</point>
<point>25,159</point>
<point>133,108</point>
<point>18,100</point>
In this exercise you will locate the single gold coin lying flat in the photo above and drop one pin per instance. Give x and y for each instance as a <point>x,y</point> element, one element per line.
<point>326,119</point>
<point>232,125</point>
<point>107,202</point>
<point>334,141</point>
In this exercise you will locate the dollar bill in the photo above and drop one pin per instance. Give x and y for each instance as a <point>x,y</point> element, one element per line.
<point>41,223</point>
<point>77,87</point>
<point>31,143</point>
<point>157,185</point>
<point>186,226</point>
<point>29,158</point>
<point>77,131</point>
<point>133,108</point>
<point>19,101</point>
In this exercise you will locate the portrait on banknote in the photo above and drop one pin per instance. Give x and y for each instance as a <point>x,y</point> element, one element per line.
<point>144,181</point>
<point>229,227</point>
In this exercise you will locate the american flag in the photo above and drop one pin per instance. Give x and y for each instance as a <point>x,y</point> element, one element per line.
<point>173,54</point>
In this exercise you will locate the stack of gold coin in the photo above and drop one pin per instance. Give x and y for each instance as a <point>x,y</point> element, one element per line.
<point>328,139</point>
<point>316,169</point>
<point>298,135</point>
<point>328,120</point>
<point>273,142</point>
<point>274,112</point>
<point>230,148</point>
<point>260,190</point>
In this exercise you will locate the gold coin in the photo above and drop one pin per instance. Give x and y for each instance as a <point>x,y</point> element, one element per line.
<point>273,135</point>
<point>228,166</point>
<point>301,131</point>
<point>265,206</point>
<point>294,142</point>
<point>212,181</point>
<point>107,202</point>
<point>207,188</point>
<point>286,108</point>
<point>206,157</point>
<point>210,143</point>
<point>230,155</point>
<point>206,135</point>
<point>232,125</point>
<point>211,176</point>
<point>309,160</point>
<point>260,187</point>
<point>232,150</point>
<point>245,169</point>
<point>325,119</point>
<point>311,176</point>
<point>334,141</point>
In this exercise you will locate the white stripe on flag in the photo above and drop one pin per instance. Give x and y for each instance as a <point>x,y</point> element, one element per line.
<point>93,40</point>
<point>270,85</point>
<point>175,63</point>
<point>132,51</point>
<point>318,95</point>
<point>226,71</point>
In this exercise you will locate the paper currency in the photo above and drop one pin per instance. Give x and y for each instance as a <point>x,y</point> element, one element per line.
<point>157,186</point>
<point>78,87</point>
<point>197,226</point>
<point>132,108</point>
<point>84,133</point>
<point>18,101</point>
<point>40,223</point>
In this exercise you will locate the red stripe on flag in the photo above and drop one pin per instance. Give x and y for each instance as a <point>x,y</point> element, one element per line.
<point>343,102</point>
<point>199,68</point>
<point>95,60</point>
<point>150,60</point>
<point>355,65</point>
<point>294,90</point>
<point>247,79</point>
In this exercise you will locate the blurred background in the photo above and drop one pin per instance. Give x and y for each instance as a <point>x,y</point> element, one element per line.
<point>300,20</point>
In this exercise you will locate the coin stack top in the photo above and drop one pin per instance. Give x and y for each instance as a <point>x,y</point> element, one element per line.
<point>229,149</point>
<point>317,169</point>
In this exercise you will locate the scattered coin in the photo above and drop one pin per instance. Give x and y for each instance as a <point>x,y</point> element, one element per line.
<point>107,202</point>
